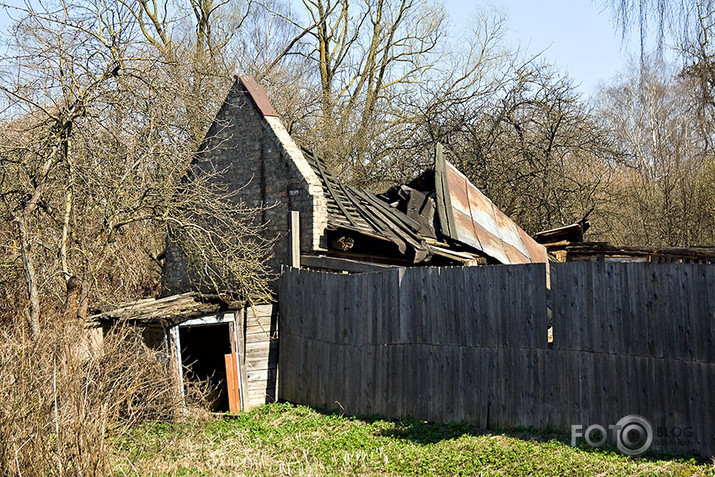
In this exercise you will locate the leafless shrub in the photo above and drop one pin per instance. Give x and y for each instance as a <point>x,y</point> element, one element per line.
<point>63,394</point>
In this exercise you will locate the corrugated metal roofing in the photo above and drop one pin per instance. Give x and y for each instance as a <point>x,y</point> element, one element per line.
<point>468,216</point>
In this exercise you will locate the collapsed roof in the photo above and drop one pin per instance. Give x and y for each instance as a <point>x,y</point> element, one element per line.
<point>438,214</point>
<point>439,217</point>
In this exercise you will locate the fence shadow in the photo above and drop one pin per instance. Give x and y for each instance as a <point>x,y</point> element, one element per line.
<point>427,433</point>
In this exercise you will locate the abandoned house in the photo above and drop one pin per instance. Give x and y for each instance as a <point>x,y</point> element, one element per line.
<point>439,218</point>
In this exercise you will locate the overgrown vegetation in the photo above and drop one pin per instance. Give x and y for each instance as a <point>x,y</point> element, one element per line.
<point>103,106</point>
<point>285,439</point>
<point>62,394</point>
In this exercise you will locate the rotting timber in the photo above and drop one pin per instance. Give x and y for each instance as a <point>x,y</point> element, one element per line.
<point>438,218</point>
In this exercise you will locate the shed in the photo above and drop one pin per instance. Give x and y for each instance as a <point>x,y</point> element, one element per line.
<point>233,345</point>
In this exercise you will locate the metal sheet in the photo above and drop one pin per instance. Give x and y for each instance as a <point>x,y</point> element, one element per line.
<point>258,94</point>
<point>491,245</point>
<point>475,221</point>
<point>537,252</point>
<point>509,232</point>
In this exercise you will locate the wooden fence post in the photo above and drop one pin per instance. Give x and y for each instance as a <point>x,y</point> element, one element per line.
<point>294,246</point>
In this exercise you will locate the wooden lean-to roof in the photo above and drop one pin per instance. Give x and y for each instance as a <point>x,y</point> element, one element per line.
<point>167,311</point>
<point>362,212</point>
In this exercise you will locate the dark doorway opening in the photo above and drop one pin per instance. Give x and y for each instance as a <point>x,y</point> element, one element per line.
<point>202,354</point>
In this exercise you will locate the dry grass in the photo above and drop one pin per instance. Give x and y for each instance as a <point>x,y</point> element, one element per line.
<point>61,396</point>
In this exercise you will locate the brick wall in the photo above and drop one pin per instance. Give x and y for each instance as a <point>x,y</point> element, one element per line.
<point>257,156</point>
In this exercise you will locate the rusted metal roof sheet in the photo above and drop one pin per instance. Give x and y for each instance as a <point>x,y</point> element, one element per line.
<point>468,216</point>
<point>258,94</point>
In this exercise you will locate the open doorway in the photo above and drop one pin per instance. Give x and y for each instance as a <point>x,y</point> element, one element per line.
<point>203,351</point>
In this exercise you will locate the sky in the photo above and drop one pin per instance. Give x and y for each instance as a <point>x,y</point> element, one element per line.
<point>576,36</point>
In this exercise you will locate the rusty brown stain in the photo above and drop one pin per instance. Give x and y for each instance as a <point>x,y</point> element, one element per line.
<point>480,224</point>
<point>465,230</point>
<point>537,252</point>
<point>258,94</point>
<point>491,245</point>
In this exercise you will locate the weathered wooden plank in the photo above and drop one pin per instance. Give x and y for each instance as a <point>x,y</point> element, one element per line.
<point>638,375</point>
<point>261,321</point>
<point>385,309</point>
<point>260,375</point>
<point>262,348</point>
<point>381,380</point>
<point>422,312</point>
<point>596,307</point>
<point>670,316</point>
<point>449,384</point>
<point>596,386</point>
<point>433,370</point>
<point>547,398</point>
<point>708,290</point>
<point>267,362</point>
<point>342,264</point>
<point>259,336</point>
<point>478,361</point>
<point>707,425</point>
<point>462,386</point>
<point>611,307</point>
<point>491,311</point>
<point>403,290</point>
<point>336,374</point>
<point>525,306</point>
<point>367,382</point>
<point>432,319</point>
<point>559,304</point>
<point>567,392</point>
<point>479,298</point>
<point>698,313</point>
<point>492,381</point>
<point>689,340</point>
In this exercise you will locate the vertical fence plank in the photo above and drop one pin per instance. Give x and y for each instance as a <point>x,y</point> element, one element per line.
<point>470,343</point>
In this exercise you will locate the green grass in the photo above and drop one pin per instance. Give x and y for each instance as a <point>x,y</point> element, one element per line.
<point>285,439</point>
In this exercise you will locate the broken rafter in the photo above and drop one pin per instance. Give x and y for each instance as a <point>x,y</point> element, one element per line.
<point>166,311</point>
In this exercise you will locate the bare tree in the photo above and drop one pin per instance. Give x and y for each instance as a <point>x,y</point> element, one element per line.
<point>94,155</point>
<point>373,72</point>
<point>533,147</point>
<point>688,25</point>
<point>653,116</point>
<point>198,42</point>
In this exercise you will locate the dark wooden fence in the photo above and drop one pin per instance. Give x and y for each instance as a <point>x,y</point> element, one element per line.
<point>470,344</point>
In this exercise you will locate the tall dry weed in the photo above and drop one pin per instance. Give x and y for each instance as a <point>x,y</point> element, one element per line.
<point>61,396</point>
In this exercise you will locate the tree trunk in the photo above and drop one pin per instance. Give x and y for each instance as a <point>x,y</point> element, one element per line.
<point>28,268</point>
